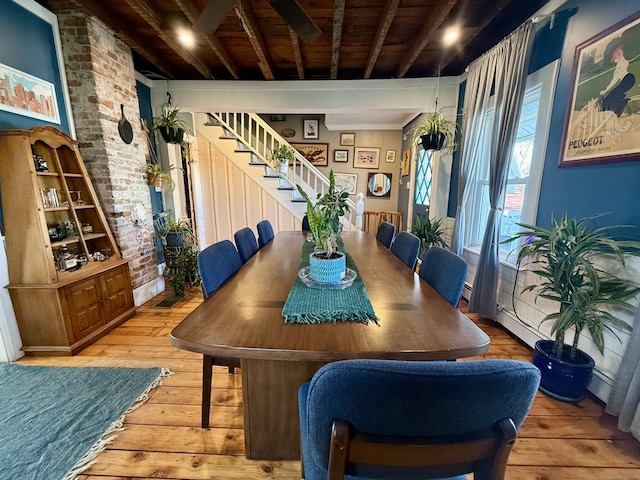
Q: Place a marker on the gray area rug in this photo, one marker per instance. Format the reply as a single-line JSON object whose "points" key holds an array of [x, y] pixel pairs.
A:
{"points": [[55, 420]]}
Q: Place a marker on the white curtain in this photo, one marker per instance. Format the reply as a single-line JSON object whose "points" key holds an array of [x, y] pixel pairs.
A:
{"points": [[624, 401], [499, 79]]}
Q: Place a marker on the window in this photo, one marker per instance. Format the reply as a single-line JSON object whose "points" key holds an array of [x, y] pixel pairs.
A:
{"points": [[424, 177], [520, 203]]}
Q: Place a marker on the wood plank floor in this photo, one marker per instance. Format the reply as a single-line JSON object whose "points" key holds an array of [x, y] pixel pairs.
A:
{"points": [[162, 439]]}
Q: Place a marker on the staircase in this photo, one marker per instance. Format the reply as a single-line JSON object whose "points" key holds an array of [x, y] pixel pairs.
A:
{"points": [[247, 141]]}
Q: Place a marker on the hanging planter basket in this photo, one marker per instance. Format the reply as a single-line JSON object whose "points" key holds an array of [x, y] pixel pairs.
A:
{"points": [[171, 135], [155, 180], [433, 141]]}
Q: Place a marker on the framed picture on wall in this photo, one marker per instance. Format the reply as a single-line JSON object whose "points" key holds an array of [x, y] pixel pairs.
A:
{"points": [[341, 156], [43, 104], [346, 182], [604, 108], [405, 162], [316, 153], [391, 156], [366, 157], [310, 129], [347, 139]]}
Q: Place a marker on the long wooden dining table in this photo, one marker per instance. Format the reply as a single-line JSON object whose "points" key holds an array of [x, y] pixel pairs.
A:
{"points": [[243, 319]]}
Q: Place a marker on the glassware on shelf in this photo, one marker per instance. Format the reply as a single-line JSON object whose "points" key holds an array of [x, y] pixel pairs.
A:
{"points": [[80, 201]]}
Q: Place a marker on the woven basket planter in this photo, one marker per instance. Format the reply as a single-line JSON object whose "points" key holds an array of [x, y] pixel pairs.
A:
{"points": [[327, 270]]}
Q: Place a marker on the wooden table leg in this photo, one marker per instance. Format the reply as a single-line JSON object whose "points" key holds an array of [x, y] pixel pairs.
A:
{"points": [[270, 398], [207, 366]]}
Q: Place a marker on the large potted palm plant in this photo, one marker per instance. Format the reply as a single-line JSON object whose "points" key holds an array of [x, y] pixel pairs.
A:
{"points": [[565, 258]]}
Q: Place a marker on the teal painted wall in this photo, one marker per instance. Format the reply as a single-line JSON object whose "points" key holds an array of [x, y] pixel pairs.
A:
{"points": [[581, 191], [26, 44]]}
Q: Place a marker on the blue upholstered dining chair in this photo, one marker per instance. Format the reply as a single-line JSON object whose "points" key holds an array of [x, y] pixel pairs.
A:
{"points": [[305, 224], [265, 233], [406, 247], [445, 271], [385, 234], [432, 419], [246, 242], [217, 263]]}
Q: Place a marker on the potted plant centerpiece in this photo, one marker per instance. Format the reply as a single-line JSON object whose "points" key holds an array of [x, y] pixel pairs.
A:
{"points": [[429, 232], [435, 131], [170, 126], [564, 257], [326, 264]]}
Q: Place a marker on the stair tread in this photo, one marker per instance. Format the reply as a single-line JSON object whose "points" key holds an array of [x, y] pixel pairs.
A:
{"points": [[285, 188], [271, 176]]}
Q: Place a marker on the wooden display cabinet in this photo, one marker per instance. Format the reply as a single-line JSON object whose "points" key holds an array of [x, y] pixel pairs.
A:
{"points": [[58, 312]]}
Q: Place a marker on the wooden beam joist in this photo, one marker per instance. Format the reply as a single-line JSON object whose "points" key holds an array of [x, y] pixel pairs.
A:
{"points": [[213, 42], [338, 22], [250, 25], [126, 33], [297, 53], [431, 24], [148, 14], [386, 20]]}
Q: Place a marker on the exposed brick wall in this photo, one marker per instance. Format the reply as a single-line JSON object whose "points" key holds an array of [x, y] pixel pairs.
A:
{"points": [[101, 77]]}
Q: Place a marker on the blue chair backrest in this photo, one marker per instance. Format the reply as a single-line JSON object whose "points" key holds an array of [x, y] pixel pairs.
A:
{"points": [[217, 263], [305, 224], [410, 399], [265, 232], [406, 247], [445, 271], [246, 243], [386, 232]]}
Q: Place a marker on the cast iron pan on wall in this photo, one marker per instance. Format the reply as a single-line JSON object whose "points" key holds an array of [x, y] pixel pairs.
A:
{"points": [[124, 128]]}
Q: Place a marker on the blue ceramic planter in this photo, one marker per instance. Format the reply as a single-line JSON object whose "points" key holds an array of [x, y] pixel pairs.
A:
{"points": [[327, 270], [562, 379]]}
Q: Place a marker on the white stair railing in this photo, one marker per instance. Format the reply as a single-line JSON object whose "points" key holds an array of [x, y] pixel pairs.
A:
{"points": [[258, 136]]}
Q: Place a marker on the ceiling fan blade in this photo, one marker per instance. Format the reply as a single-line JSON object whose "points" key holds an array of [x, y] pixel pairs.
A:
{"points": [[214, 14], [297, 18]]}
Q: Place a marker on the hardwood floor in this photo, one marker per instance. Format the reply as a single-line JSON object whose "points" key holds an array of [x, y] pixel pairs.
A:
{"points": [[162, 439]]}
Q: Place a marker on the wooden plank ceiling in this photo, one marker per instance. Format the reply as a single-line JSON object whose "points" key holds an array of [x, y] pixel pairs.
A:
{"points": [[361, 39]]}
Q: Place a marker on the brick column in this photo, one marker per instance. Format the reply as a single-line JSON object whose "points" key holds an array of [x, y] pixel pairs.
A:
{"points": [[101, 77]]}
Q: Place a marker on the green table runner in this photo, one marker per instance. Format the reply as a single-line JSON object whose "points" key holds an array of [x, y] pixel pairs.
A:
{"points": [[313, 305]]}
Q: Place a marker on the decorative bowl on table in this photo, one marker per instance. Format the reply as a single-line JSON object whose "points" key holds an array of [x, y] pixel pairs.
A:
{"points": [[305, 275]]}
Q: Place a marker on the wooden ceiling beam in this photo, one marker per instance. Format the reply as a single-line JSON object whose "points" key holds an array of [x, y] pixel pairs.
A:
{"points": [[386, 20], [191, 12], [126, 33], [338, 22], [250, 25], [486, 20], [297, 54], [148, 14], [431, 23]]}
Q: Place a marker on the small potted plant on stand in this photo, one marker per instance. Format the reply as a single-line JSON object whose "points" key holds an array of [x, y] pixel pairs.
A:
{"points": [[280, 158], [326, 264], [564, 259], [170, 126], [180, 251], [435, 131]]}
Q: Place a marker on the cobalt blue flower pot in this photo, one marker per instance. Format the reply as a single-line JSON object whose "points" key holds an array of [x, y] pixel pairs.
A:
{"points": [[563, 379]]}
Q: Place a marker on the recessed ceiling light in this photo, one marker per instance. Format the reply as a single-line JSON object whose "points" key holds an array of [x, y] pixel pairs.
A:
{"points": [[451, 36], [186, 38]]}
